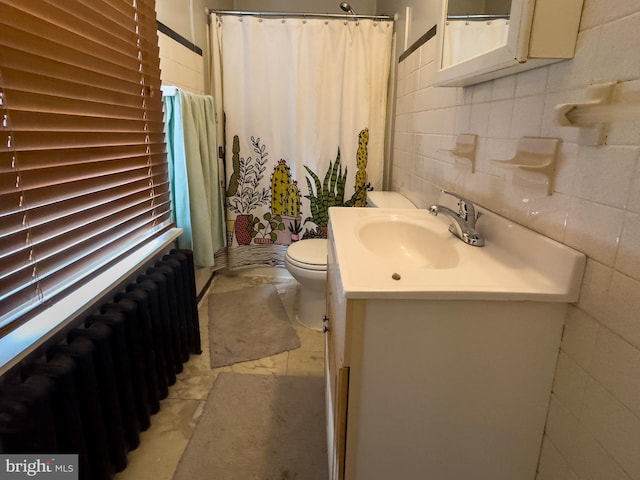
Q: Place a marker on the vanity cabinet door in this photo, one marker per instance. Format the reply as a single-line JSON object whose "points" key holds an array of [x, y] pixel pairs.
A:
{"points": [[343, 349], [338, 384]]}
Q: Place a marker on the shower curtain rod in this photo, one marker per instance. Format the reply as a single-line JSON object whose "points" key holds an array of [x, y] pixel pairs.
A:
{"points": [[478, 17], [301, 15]]}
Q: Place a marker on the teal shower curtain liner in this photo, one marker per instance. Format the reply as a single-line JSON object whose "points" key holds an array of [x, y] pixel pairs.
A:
{"points": [[197, 195]]}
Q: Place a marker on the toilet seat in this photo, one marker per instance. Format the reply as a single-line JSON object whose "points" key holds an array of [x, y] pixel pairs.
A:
{"points": [[309, 254]]}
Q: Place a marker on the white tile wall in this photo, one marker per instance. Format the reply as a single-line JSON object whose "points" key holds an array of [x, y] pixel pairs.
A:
{"points": [[180, 66], [628, 258], [553, 466], [593, 427]]}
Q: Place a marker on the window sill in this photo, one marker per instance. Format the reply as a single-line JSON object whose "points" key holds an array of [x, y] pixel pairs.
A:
{"points": [[22, 341]]}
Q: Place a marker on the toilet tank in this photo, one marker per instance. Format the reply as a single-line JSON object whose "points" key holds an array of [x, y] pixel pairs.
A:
{"points": [[378, 199]]}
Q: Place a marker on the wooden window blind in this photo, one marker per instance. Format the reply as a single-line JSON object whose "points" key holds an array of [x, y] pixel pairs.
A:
{"points": [[83, 170]]}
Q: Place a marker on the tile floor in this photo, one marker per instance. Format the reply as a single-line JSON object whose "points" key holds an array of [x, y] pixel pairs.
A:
{"points": [[161, 446]]}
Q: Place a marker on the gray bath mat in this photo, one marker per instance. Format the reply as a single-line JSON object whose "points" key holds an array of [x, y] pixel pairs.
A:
{"points": [[259, 427], [248, 324]]}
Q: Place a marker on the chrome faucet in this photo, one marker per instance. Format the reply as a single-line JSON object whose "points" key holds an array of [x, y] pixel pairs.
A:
{"points": [[463, 223]]}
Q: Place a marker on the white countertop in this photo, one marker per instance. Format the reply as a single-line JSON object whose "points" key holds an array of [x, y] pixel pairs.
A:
{"points": [[515, 264]]}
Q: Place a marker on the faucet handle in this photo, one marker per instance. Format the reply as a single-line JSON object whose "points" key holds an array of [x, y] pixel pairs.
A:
{"points": [[466, 209], [458, 196]]}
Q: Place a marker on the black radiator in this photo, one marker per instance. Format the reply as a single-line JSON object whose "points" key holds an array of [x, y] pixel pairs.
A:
{"points": [[95, 390]]}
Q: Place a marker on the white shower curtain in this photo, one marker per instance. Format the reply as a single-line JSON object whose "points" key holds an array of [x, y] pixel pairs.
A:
{"points": [[304, 101], [465, 39]]}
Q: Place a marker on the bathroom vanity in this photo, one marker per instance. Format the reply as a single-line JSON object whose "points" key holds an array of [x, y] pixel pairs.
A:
{"points": [[440, 356]]}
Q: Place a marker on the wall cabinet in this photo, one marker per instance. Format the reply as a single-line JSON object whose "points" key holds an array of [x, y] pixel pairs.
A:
{"points": [[538, 32], [446, 390]]}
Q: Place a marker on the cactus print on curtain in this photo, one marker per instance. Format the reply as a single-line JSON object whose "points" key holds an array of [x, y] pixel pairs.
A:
{"points": [[304, 102]]}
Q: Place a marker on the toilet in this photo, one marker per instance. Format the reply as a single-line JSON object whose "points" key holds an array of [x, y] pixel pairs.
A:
{"points": [[306, 261]]}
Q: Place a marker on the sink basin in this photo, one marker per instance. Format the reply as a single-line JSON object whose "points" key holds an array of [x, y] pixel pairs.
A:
{"points": [[403, 241], [410, 254]]}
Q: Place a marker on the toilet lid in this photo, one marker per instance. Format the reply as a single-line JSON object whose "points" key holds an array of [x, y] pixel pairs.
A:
{"points": [[380, 199], [311, 252]]}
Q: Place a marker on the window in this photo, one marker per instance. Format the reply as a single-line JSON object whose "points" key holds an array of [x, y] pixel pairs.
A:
{"points": [[83, 171]]}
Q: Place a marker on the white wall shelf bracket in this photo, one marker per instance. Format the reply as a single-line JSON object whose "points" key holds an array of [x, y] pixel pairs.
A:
{"points": [[573, 114], [536, 154], [466, 146]]}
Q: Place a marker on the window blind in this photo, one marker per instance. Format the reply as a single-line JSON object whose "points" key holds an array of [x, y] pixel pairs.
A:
{"points": [[83, 170]]}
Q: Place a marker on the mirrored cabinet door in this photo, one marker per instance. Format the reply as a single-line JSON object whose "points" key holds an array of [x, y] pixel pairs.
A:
{"points": [[482, 40]]}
